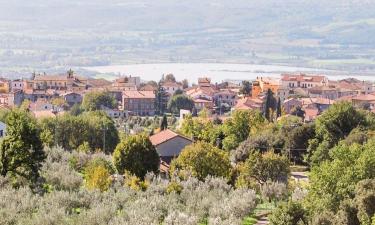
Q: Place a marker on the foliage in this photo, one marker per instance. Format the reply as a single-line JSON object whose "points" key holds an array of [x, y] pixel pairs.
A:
{"points": [[269, 138], [273, 191], [70, 132], [260, 168], [161, 101], [245, 88], [21, 150], [278, 108], [202, 159], [135, 182], [95, 100], [164, 123], [201, 129], [169, 78], [58, 173], [290, 213], [332, 126], [270, 105], [239, 126], [97, 177], [211, 199], [178, 102], [334, 181], [137, 155]]}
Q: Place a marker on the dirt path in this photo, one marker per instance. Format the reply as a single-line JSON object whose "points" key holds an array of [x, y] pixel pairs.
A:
{"points": [[262, 221]]}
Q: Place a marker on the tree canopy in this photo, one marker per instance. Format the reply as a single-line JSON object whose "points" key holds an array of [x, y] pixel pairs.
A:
{"points": [[178, 102], [137, 155], [95, 100], [202, 159], [68, 131], [21, 150], [332, 126]]}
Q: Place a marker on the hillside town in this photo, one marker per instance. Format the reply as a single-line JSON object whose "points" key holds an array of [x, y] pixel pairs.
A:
{"points": [[170, 151], [310, 93]]}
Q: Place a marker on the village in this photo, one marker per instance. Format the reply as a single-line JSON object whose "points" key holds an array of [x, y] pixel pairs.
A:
{"points": [[310, 93]]}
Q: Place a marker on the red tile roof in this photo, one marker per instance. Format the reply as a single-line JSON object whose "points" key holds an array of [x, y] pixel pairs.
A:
{"points": [[302, 77], [164, 136], [138, 94]]}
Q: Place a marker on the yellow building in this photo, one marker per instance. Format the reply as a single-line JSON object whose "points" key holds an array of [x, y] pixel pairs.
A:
{"points": [[262, 84], [4, 85]]}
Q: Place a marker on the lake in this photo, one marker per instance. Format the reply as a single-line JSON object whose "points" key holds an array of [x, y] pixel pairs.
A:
{"points": [[216, 71]]}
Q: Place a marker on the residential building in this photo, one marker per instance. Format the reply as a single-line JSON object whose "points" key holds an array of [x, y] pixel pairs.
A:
{"points": [[12, 98], [225, 97], [169, 144], [303, 80], [72, 98], [171, 87], [360, 87], [323, 92], [115, 113], [59, 82], [17, 85], [248, 103], [127, 83], [201, 103], [140, 103], [291, 104]]}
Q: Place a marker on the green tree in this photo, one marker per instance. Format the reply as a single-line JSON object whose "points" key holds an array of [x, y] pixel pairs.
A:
{"points": [[185, 83], [245, 88], [264, 167], [96, 128], [164, 123], [137, 155], [21, 150], [270, 105], [291, 213], [278, 108], [332, 126], [298, 111], [75, 110], [334, 181], [239, 126], [297, 139], [95, 100], [365, 201], [178, 102], [202, 159], [161, 99]]}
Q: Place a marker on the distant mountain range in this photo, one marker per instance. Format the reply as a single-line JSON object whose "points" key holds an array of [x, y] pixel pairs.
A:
{"points": [[59, 34]]}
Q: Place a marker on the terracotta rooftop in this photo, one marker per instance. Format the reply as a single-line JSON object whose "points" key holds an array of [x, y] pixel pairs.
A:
{"points": [[302, 77], [364, 97], [164, 136], [148, 87], [138, 94], [171, 84]]}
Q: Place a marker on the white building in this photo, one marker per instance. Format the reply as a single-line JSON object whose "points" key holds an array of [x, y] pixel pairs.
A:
{"points": [[2, 129], [302, 81]]}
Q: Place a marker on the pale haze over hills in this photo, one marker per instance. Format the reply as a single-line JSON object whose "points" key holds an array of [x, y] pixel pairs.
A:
{"points": [[57, 34]]}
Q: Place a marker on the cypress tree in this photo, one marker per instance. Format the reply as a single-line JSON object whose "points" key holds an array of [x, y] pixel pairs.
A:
{"points": [[164, 123], [278, 111]]}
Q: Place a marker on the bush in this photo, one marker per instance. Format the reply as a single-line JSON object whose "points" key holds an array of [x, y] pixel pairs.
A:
{"points": [[290, 213]]}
